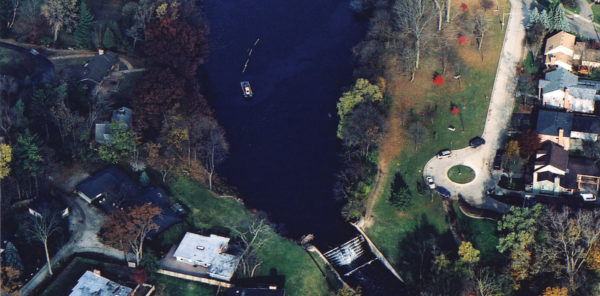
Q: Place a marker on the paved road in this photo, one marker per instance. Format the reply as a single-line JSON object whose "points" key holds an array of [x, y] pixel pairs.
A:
{"points": [[499, 112], [84, 222]]}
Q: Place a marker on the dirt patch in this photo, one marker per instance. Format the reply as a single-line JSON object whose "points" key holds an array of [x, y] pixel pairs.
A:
{"points": [[68, 177]]}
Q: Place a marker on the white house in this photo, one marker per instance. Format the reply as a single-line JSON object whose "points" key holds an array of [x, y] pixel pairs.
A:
{"points": [[559, 50], [208, 252]]}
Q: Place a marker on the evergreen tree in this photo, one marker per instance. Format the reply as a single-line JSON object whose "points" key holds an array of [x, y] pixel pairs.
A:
{"points": [[144, 179], [27, 156], [400, 196], [82, 31], [108, 40], [558, 19], [12, 258]]}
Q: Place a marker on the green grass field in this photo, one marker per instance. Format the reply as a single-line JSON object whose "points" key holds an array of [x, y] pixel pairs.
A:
{"points": [[461, 174], [393, 229], [280, 256], [596, 11]]}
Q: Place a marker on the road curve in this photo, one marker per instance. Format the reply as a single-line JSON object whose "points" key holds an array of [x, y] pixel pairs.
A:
{"points": [[499, 112]]}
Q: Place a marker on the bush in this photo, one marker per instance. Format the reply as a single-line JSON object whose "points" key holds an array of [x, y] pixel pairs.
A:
{"points": [[400, 196], [108, 40], [531, 64]]}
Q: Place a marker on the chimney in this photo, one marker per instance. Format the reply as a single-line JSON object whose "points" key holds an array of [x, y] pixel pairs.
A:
{"points": [[561, 133], [97, 272]]}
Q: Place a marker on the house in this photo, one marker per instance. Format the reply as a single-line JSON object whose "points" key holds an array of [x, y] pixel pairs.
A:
{"points": [[561, 89], [112, 190], [201, 256], [93, 284], [102, 130], [586, 58], [557, 173], [559, 51], [99, 67], [567, 129]]}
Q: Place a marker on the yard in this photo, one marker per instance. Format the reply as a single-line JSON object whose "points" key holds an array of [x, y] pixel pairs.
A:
{"points": [[280, 256], [394, 231], [596, 11], [461, 174]]}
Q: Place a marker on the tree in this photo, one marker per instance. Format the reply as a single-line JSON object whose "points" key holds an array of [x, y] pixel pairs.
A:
{"points": [[128, 230], [572, 234], [173, 43], [215, 149], [347, 291], [41, 228], [362, 128], [108, 40], [84, 25], [5, 159], [158, 91], [519, 229], [144, 179], [418, 133], [480, 28], [27, 158], [591, 149], [557, 18], [142, 13], [10, 280], [400, 196], [467, 253], [362, 91], [253, 234], [60, 14], [12, 258], [556, 291], [439, 7], [414, 17], [120, 144], [529, 142], [159, 161], [44, 99]]}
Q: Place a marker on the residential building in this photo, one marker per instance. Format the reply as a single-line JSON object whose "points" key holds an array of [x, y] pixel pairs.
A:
{"points": [[559, 51], [201, 256], [112, 190], [557, 173], [586, 58], [561, 89], [98, 67], [102, 130], [93, 284], [567, 129]]}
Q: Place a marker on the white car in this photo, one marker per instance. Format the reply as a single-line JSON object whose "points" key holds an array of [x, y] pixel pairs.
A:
{"points": [[430, 183], [34, 52], [588, 196]]}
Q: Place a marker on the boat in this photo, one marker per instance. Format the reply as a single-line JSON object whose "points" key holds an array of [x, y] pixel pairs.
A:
{"points": [[246, 90]]}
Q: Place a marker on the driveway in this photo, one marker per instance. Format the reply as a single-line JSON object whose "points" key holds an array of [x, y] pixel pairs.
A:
{"points": [[499, 112]]}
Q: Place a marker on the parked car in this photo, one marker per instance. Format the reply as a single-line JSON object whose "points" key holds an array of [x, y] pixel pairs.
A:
{"points": [[444, 153], [430, 183], [588, 196], [476, 142], [443, 191], [498, 160], [34, 52]]}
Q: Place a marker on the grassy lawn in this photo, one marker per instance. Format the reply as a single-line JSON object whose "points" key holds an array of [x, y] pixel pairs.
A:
{"points": [[461, 174], [280, 256], [168, 286], [392, 229], [574, 10], [596, 11]]}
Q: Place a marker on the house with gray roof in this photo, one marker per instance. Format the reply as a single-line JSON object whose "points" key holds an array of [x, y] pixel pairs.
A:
{"points": [[561, 89], [555, 172], [98, 67], [102, 130], [93, 284], [567, 129]]}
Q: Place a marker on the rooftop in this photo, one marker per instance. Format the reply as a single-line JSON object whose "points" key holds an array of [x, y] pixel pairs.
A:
{"points": [[99, 65], [91, 284], [557, 80], [561, 38], [209, 252], [555, 155], [549, 122]]}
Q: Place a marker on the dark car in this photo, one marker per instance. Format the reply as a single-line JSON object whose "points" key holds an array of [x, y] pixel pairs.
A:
{"points": [[443, 191], [476, 142], [497, 165]]}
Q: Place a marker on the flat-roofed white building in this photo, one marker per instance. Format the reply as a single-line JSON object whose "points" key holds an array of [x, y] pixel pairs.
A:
{"points": [[208, 252], [93, 284]]}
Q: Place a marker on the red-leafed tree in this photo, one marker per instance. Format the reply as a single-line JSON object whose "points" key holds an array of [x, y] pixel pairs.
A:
{"points": [[438, 80], [140, 276], [157, 92], [462, 40], [529, 142], [173, 42], [455, 110], [464, 7]]}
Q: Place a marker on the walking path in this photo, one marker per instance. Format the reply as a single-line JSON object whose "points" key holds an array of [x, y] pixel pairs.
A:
{"points": [[499, 113]]}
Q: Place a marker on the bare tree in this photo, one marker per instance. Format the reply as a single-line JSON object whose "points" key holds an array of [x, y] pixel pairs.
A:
{"points": [[414, 17], [418, 132], [572, 234], [99, 106], [60, 14], [41, 228], [439, 7], [215, 149], [253, 235], [480, 28]]}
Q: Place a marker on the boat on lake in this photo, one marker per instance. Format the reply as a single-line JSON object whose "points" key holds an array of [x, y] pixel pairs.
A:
{"points": [[246, 89]]}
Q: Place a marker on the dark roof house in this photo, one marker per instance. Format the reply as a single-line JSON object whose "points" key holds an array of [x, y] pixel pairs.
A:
{"points": [[102, 130], [99, 66], [550, 122], [112, 190]]}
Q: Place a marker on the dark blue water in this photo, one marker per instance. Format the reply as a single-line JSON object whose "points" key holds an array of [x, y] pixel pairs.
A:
{"points": [[283, 154]]}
